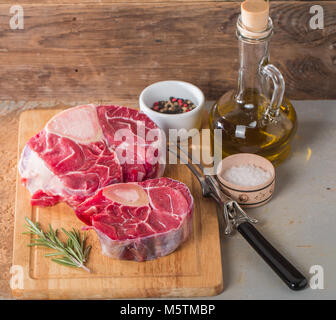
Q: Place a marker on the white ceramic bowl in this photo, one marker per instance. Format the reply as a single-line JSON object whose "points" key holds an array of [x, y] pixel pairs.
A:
{"points": [[163, 90]]}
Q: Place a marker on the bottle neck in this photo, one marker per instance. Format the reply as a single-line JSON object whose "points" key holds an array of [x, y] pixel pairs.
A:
{"points": [[253, 53]]}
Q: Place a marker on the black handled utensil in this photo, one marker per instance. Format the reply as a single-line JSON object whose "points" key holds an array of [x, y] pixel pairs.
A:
{"points": [[281, 266], [236, 218]]}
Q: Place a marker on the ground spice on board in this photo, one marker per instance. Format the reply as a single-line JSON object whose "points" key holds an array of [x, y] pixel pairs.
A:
{"points": [[173, 106]]}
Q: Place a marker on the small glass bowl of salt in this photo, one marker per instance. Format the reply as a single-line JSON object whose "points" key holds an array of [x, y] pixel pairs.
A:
{"points": [[247, 178]]}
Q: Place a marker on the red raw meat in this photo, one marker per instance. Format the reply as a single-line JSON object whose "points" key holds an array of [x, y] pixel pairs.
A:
{"points": [[82, 149], [140, 221]]}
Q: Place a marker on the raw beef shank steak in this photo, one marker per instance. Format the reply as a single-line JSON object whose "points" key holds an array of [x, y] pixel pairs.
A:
{"points": [[85, 148], [140, 221]]}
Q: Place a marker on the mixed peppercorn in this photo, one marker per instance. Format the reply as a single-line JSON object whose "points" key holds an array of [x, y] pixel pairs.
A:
{"points": [[174, 105]]}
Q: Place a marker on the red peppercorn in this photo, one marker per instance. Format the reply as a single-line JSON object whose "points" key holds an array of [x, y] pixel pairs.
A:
{"points": [[156, 103], [174, 99], [185, 105], [156, 107]]}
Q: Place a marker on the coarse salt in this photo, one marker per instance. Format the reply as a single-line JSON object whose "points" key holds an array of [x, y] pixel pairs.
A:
{"points": [[246, 175]]}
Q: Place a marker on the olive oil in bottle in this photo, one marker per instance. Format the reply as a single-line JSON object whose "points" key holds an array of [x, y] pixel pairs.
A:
{"points": [[256, 117]]}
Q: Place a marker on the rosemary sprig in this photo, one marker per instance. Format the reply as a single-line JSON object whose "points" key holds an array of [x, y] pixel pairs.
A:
{"points": [[73, 253]]}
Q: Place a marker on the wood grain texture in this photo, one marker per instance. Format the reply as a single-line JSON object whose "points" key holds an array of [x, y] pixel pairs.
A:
{"points": [[192, 270], [89, 51], [23, 2]]}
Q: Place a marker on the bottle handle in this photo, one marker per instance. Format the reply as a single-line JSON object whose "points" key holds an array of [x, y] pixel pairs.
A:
{"points": [[269, 71]]}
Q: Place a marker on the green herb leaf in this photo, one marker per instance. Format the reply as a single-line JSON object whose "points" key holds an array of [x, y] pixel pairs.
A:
{"points": [[73, 253]]}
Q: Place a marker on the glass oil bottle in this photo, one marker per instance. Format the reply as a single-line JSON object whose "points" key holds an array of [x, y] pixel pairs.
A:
{"points": [[256, 117]]}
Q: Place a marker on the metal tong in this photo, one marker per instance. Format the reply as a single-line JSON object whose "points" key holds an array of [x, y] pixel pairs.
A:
{"points": [[235, 218]]}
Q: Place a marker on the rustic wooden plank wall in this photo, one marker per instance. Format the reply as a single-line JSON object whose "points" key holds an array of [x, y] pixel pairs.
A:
{"points": [[89, 50]]}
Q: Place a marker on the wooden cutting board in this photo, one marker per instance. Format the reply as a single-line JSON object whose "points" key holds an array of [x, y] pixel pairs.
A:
{"points": [[195, 269]]}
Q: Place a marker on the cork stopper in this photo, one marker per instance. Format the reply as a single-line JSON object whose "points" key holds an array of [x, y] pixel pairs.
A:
{"points": [[254, 14]]}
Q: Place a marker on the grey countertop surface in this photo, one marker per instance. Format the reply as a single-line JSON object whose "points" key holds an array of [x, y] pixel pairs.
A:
{"points": [[300, 220]]}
